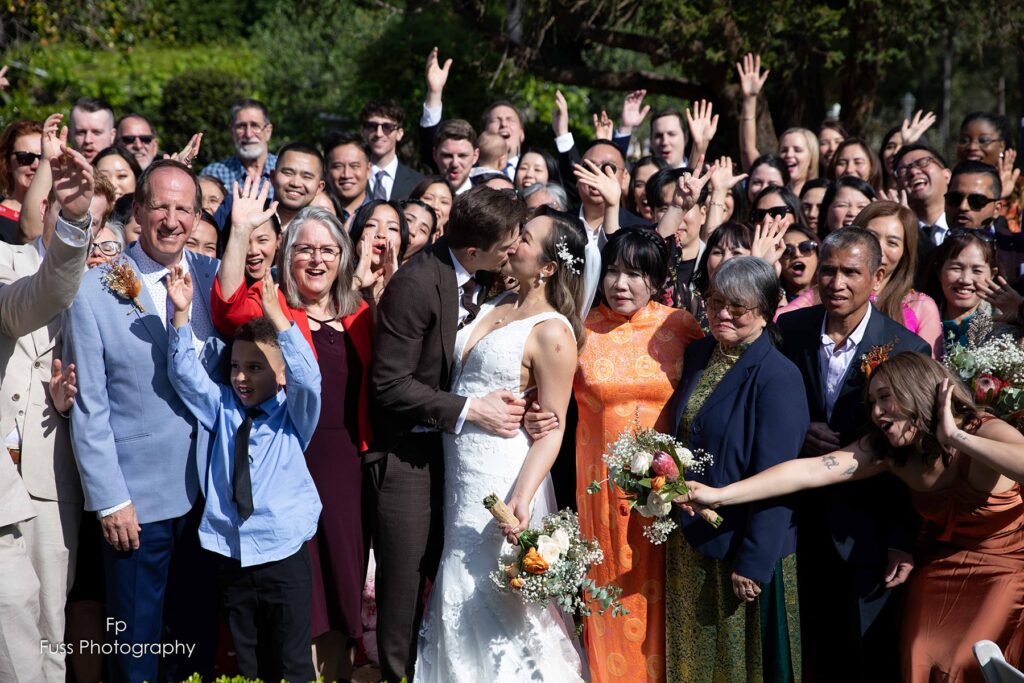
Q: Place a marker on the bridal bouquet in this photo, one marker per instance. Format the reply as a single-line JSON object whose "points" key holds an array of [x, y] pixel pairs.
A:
{"points": [[551, 563], [649, 466], [992, 368]]}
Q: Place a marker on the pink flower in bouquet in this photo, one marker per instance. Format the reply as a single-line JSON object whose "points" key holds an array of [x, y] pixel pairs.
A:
{"points": [[987, 387], [664, 466]]}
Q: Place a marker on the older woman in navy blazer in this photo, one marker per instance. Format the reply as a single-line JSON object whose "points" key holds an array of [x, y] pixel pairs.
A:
{"points": [[731, 591]]}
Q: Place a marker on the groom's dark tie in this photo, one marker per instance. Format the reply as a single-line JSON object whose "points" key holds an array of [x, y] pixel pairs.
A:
{"points": [[469, 301]]}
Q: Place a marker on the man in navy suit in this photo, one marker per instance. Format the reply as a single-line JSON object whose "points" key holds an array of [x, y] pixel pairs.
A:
{"points": [[854, 540], [141, 454], [382, 121]]}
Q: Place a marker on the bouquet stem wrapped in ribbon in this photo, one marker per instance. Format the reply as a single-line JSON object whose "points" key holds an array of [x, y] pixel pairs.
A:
{"points": [[551, 563], [649, 466]]}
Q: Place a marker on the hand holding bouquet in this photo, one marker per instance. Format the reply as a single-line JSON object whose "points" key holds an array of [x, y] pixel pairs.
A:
{"points": [[992, 368], [648, 466], [551, 563]]}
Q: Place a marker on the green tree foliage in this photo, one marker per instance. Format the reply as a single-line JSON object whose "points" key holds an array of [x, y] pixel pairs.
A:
{"points": [[198, 101]]}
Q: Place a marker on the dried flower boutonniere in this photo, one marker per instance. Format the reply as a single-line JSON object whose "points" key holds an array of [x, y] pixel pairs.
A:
{"points": [[121, 279], [875, 357]]}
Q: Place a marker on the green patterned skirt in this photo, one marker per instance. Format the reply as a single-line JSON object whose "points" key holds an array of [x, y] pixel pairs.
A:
{"points": [[714, 637]]}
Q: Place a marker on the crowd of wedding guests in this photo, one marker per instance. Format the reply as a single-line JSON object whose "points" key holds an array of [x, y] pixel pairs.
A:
{"points": [[156, 488]]}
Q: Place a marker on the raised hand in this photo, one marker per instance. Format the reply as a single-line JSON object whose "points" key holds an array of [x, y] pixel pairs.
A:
{"points": [[602, 180], [751, 77], [179, 289], [53, 135], [437, 77], [632, 114], [722, 177], [189, 152], [946, 428], [1008, 175], [73, 179], [603, 126], [702, 124], [1005, 300], [272, 303], [63, 385], [4, 83], [768, 244], [247, 209], [560, 115], [898, 196], [689, 185], [911, 131]]}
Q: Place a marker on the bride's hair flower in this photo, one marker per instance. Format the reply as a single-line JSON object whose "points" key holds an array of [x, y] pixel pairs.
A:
{"points": [[571, 263]]}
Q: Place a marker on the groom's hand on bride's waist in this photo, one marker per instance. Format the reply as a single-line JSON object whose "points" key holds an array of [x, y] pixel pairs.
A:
{"points": [[499, 412], [537, 421]]}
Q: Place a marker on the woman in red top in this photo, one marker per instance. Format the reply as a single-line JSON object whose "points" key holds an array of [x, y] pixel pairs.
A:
{"points": [[21, 146], [315, 263]]}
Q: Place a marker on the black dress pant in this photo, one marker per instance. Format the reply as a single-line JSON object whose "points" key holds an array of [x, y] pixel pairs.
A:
{"points": [[267, 608]]}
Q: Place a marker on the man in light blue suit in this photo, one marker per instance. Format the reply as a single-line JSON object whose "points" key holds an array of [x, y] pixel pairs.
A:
{"points": [[141, 454]]}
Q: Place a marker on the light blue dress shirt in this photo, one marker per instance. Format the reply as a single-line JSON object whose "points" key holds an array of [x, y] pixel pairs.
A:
{"points": [[286, 506]]}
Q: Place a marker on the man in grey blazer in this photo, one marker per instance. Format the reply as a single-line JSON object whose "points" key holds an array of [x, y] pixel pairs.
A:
{"points": [[39, 492], [141, 454]]}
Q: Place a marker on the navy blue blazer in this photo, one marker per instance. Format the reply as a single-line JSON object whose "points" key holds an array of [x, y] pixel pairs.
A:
{"points": [[751, 421], [862, 532]]}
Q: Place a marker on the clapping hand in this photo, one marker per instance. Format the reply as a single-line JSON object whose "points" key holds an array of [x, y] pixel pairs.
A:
{"points": [[189, 152], [247, 209], [751, 77], [179, 289], [560, 115], [603, 126], [1004, 299], [602, 180], [702, 124], [63, 386], [72, 182], [632, 114], [1008, 175], [911, 131]]}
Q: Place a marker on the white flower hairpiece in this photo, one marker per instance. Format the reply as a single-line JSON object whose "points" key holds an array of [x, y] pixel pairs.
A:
{"points": [[568, 260]]}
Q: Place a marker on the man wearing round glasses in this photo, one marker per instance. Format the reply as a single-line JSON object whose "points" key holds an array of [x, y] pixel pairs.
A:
{"points": [[381, 122], [251, 130], [135, 133]]}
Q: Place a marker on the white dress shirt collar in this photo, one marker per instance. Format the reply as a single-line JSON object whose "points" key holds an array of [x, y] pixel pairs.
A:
{"points": [[835, 361]]}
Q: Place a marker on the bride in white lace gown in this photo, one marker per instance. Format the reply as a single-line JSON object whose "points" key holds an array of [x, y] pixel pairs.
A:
{"points": [[471, 631]]}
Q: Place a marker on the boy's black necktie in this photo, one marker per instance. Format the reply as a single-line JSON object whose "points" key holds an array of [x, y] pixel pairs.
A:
{"points": [[241, 479]]}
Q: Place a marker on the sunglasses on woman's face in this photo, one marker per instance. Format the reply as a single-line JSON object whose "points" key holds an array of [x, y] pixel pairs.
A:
{"points": [[805, 248], [977, 202], [26, 158], [774, 212]]}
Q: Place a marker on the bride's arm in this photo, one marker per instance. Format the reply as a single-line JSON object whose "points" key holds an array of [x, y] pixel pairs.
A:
{"points": [[551, 353]]}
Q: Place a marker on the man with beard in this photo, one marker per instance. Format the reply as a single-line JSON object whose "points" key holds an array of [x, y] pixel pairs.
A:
{"points": [[298, 178], [92, 126], [348, 170], [135, 133], [251, 130]]}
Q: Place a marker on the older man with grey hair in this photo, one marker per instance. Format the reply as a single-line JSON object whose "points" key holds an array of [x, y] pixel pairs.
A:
{"points": [[251, 130]]}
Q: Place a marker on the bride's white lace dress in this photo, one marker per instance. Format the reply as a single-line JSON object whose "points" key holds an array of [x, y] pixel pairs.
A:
{"points": [[472, 632]]}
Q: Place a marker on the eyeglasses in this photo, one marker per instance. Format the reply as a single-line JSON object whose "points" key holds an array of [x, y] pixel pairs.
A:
{"points": [[775, 212], [976, 202], [255, 127], [806, 247], [386, 127], [108, 248], [983, 141], [26, 158], [716, 304], [920, 164], [304, 252], [144, 139]]}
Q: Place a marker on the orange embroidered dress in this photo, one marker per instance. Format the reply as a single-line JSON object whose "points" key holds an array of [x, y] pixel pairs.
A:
{"points": [[627, 365]]}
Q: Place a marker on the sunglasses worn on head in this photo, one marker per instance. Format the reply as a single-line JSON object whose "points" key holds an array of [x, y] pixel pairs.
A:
{"points": [[144, 139], [385, 127], [26, 158], [981, 233], [977, 202], [806, 247], [775, 212]]}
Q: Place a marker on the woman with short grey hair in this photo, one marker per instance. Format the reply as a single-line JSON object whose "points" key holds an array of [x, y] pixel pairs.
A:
{"points": [[545, 194], [736, 402]]}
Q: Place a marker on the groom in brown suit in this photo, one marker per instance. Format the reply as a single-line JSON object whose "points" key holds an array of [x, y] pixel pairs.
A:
{"points": [[424, 306]]}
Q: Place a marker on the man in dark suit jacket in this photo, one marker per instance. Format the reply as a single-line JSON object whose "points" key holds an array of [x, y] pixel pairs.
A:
{"points": [[381, 122], [423, 307], [854, 540]]}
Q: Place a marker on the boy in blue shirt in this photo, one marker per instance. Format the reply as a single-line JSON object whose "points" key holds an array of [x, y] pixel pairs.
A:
{"points": [[261, 503]]}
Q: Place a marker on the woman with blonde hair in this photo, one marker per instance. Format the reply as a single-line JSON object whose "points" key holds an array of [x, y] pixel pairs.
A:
{"points": [[799, 148]]}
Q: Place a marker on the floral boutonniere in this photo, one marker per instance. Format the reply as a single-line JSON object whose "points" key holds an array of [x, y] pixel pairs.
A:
{"points": [[875, 357], [121, 279]]}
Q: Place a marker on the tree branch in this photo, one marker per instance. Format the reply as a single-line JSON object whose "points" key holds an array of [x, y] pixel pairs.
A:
{"points": [[623, 81]]}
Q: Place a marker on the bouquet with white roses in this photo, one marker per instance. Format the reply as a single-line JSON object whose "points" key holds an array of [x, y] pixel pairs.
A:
{"points": [[551, 563], [649, 466]]}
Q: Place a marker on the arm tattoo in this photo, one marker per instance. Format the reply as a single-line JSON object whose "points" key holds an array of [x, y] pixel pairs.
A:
{"points": [[850, 471], [961, 436], [829, 461]]}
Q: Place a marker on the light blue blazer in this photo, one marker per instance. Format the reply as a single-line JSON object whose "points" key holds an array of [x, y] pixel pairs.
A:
{"points": [[133, 437]]}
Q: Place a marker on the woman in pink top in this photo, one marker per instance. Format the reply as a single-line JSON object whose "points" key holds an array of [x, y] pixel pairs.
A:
{"points": [[895, 226]]}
